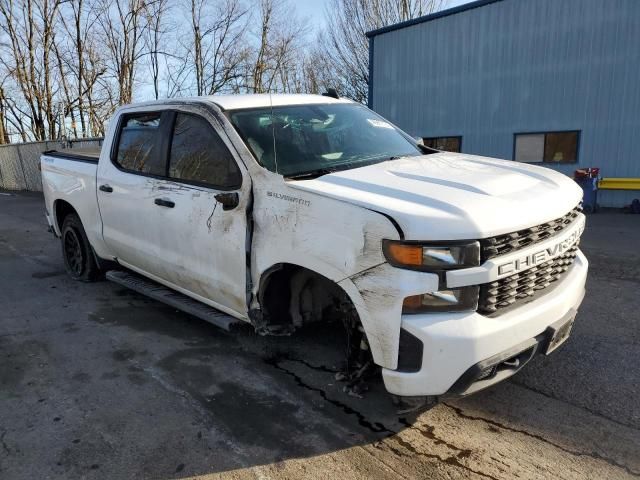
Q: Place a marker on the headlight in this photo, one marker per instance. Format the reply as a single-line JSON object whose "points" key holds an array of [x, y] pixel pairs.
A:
{"points": [[432, 256], [450, 300]]}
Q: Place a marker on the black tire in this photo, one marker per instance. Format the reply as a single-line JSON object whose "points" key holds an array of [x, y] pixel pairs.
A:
{"points": [[79, 261]]}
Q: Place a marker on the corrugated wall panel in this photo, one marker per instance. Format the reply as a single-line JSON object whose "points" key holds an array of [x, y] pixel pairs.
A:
{"points": [[521, 66]]}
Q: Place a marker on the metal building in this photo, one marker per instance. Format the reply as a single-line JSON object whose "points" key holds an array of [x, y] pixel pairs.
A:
{"points": [[550, 81]]}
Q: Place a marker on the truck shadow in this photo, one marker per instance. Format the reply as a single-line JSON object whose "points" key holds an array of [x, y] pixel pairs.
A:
{"points": [[277, 398]]}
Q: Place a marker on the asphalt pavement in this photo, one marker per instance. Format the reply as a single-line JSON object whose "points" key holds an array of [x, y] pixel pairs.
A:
{"points": [[99, 382]]}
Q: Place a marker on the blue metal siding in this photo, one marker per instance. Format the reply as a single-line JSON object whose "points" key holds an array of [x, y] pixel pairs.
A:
{"points": [[519, 66]]}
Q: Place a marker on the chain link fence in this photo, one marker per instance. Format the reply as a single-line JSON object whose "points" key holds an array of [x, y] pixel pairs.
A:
{"points": [[19, 162]]}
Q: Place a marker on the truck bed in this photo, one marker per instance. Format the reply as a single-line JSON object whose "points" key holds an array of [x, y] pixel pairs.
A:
{"points": [[70, 176], [89, 154]]}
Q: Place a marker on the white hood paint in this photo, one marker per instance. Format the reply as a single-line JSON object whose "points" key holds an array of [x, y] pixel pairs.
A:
{"points": [[449, 196]]}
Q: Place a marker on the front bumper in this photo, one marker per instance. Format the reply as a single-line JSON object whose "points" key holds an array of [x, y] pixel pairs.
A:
{"points": [[453, 343]]}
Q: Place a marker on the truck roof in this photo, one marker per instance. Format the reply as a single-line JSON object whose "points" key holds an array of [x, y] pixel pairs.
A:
{"points": [[257, 100], [252, 100]]}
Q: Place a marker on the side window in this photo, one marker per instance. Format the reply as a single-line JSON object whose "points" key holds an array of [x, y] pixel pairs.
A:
{"points": [[198, 154], [137, 145]]}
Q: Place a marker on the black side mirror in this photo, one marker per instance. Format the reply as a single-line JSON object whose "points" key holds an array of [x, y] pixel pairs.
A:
{"points": [[331, 92], [229, 201]]}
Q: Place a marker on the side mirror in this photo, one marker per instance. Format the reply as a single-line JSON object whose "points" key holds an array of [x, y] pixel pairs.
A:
{"points": [[419, 141], [229, 201]]}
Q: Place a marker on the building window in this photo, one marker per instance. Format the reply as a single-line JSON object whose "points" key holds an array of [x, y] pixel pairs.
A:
{"points": [[448, 144], [550, 147]]}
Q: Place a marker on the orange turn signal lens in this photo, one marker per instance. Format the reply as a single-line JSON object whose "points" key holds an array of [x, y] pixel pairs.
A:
{"points": [[448, 300], [433, 256], [412, 304], [404, 254]]}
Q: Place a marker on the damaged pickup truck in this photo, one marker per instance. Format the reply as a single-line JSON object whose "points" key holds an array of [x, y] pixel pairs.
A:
{"points": [[449, 271]]}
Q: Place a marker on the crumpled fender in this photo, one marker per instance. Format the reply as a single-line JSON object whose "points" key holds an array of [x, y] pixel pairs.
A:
{"points": [[377, 294]]}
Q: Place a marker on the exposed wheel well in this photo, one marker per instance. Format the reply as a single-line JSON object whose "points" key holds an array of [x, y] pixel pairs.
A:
{"points": [[62, 208], [291, 296]]}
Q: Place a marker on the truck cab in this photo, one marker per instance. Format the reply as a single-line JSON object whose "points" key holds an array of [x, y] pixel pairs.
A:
{"points": [[280, 210]]}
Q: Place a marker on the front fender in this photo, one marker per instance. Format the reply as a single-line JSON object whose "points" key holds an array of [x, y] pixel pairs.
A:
{"points": [[342, 242], [378, 294], [330, 237]]}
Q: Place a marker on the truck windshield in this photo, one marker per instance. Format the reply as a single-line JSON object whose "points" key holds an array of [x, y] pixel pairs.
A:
{"points": [[312, 140]]}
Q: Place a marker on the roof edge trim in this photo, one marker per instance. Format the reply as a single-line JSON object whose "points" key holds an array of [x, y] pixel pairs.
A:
{"points": [[431, 16]]}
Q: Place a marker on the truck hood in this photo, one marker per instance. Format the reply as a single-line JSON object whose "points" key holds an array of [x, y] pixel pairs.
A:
{"points": [[448, 196]]}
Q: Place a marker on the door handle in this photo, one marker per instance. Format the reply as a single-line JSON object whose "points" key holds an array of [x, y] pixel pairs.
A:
{"points": [[229, 201], [164, 203], [106, 188]]}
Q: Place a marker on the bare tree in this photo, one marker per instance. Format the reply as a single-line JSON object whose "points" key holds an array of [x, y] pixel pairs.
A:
{"points": [[345, 45], [218, 45], [13, 116], [155, 33], [29, 26], [79, 35], [68, 108], [53, 65], [123, 26], [78, 60], [71, 61], [279, 47], [98, 89], [4, 134]]}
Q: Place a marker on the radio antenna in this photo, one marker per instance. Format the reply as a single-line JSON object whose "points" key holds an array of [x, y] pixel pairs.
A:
{"points": [[273, 133]]}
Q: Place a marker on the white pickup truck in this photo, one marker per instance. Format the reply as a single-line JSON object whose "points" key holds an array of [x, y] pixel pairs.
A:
{"points": [[279, 210]]}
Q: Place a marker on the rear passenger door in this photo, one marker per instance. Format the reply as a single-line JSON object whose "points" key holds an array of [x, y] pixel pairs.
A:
{"points": [[126, 184], [190, 222]]}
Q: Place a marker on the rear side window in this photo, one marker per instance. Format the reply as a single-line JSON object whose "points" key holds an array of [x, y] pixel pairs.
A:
{"points": [[199, 155], [138, 144]]}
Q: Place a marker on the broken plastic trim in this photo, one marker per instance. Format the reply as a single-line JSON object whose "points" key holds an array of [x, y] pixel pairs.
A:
{"points": [[410, 350]]}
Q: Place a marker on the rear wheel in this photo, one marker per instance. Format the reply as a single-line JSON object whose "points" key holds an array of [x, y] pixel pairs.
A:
{"points": [[79, 261]]}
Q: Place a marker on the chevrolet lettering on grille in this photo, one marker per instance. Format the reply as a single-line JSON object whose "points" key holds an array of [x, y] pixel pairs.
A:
{"points": [[540, 256]]}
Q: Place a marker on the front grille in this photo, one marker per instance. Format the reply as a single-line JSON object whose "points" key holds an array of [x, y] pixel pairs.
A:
{"points": [[510, 242], [503, 293]]}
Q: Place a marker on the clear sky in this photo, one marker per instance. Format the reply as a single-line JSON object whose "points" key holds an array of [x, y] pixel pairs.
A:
{"points": [[314, 9]]}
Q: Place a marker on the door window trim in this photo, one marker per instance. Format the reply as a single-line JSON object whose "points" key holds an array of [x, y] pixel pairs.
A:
{"points": [[163, 145], [158, 145]]}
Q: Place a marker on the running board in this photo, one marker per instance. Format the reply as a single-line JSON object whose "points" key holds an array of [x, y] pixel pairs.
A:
{"points": [[174, 299]]}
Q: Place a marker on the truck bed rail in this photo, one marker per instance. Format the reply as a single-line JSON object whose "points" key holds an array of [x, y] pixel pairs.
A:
{"points": [[81, 155]]}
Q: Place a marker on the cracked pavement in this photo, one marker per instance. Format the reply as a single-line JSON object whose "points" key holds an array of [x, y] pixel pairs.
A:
{"points": [[100, 382]]}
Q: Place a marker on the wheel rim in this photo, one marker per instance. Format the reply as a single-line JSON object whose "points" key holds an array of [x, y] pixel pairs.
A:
{"points": [[73, 252]]}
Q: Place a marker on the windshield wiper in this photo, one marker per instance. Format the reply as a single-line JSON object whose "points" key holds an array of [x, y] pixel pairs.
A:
{"points": [[342, 166], [398, 157], [312, 173]]}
